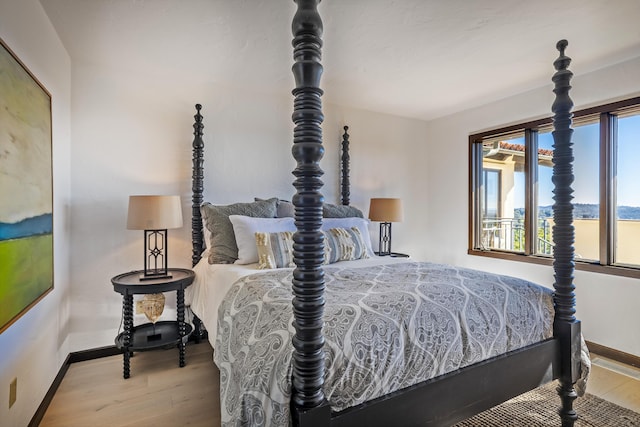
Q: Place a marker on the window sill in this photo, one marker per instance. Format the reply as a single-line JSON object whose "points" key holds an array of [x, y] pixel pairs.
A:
{"points": [[580, 265]]}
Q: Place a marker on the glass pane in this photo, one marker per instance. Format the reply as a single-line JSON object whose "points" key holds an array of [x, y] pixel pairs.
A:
{"points": [[628, 192], [586, 204], [544, 243], [503, 194], [491, 202]]}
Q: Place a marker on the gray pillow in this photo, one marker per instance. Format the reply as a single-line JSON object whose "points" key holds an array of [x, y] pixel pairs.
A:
{"points": [[284, 208], [223, 248], [340, 211]]}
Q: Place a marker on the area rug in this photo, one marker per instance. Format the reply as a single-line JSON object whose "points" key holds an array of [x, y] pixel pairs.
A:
{"points": [[539, 408]]}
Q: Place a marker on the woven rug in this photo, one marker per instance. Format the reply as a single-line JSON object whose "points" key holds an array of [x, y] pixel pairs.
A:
{"points": [[539, 408]]}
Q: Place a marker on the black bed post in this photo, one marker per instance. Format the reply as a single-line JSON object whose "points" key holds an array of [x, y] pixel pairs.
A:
{"points": [[565, 328], [197, 188], [344, 168], [308, 404]]}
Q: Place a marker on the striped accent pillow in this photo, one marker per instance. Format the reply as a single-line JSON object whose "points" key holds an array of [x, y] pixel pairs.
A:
{"points": [[275, 250], [344, 244]]}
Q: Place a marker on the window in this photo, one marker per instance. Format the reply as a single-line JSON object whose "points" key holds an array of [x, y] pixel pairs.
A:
{"points": [[502, 190], [511, 191]]}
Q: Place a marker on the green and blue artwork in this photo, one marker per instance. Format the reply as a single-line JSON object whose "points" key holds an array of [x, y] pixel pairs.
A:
{"points": [[26, 199]]}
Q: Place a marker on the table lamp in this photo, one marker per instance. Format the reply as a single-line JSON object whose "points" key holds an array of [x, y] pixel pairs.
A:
{"points": [[155, 215], [386, 211]]}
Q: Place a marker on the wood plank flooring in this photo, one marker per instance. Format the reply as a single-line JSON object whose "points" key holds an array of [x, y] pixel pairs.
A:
{"points": [[160, 394], [615, 382]]}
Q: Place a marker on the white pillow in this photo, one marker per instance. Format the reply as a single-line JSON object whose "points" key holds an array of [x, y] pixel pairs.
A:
{"points": [[361, 223], [245, 228]]}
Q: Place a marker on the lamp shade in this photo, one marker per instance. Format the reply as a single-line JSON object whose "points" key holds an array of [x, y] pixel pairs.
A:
{"points": [[386, 210], [154, 213]]}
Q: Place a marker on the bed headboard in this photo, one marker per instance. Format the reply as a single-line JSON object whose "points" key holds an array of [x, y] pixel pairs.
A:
{"points": [[197, 182]]}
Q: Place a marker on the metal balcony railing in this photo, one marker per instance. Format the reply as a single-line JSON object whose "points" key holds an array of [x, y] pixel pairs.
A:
{"points": [[508, 234]]}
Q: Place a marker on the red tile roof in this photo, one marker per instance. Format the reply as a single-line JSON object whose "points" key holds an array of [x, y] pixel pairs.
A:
{"points": [[520, 147]]}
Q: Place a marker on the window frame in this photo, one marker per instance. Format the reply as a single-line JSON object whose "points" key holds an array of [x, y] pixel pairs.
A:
{"points": [[607, 115]]}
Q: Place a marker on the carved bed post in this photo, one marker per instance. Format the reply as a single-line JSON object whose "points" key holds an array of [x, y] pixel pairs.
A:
{"points": [[566, 328], [197, 188], [308, 404], [344, 170]]}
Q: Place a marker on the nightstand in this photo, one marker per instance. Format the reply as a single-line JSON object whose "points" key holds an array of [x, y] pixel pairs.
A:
{"points": [[149, 336]]}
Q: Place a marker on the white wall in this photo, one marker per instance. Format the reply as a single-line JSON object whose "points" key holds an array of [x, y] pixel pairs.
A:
{"points": [[34, 347], [607, 305]]}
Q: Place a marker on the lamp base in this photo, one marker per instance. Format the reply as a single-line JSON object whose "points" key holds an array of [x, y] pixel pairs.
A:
{"points": [[144, 277], [384, 243], [392, 254], [155, 255]]}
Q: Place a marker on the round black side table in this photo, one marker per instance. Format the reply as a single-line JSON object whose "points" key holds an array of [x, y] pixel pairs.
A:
{"points": [[149, 335]]}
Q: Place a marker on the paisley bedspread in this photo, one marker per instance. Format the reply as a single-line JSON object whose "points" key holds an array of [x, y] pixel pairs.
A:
{"points": [[386, 327]]}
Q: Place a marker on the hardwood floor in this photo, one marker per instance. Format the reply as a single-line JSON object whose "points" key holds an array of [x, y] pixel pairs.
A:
{"points": [[615, 382], [160, 394]]}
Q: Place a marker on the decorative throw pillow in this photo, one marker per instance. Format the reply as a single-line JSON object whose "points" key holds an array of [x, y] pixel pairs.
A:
{"points": [[223, 248], [344, 244], [341, 211], [361, 223], [245, 228], [284, 208], [275, 250]]}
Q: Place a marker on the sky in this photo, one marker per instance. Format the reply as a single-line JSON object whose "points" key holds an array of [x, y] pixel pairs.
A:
{"points": [[585, 167]]}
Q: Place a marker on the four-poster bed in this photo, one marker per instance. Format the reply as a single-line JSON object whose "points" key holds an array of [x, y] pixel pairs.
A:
{"points": [[440, 400]]}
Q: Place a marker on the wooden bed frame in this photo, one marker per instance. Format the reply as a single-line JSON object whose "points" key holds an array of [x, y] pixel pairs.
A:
{"points": [[449, 398]]}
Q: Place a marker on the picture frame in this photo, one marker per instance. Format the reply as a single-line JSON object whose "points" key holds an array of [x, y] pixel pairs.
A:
{"points": [[26, 189]]}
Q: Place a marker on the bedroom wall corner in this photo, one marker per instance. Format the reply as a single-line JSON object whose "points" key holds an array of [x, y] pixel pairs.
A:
{"points": [[34, 348]]}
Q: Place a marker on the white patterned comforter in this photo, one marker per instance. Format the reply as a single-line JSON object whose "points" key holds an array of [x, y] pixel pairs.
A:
{"points": [[386, 327]]}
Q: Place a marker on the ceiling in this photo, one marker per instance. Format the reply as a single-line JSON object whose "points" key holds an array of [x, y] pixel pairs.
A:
{"points": [[414, 58]]}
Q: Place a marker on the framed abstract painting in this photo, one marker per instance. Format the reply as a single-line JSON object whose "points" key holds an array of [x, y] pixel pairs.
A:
{"points": [[26, 190]]}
